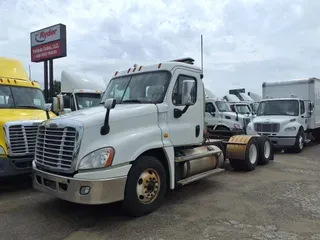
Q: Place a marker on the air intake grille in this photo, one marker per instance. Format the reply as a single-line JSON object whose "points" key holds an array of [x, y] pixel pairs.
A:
{"points": [[55, 147]]}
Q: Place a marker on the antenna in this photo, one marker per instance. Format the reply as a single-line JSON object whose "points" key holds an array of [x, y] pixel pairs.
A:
{"points": [[201, 46], [29, 72]]}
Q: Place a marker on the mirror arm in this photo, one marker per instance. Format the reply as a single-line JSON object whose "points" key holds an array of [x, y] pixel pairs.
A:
{"points": [[184, 110], [47, 114], [105, 129]]}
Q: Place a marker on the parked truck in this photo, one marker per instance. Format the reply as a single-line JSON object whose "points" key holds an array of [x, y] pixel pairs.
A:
{"points": [[289, 113], [220, 117], [140, 143], [22, 109], [78, 92]]}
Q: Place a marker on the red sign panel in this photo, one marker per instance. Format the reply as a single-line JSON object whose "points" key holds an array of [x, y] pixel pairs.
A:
{"points": [[48, 43], [46, 51]]}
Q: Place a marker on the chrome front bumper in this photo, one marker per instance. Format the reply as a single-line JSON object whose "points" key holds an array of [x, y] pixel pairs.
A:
{"points": [[81, 191]]}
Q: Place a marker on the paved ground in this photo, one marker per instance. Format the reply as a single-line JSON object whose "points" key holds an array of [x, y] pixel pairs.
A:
{"points": [[277, 201]]}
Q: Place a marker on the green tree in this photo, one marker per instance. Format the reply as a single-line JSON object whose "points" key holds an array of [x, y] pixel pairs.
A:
{"points": [[56, 90]]}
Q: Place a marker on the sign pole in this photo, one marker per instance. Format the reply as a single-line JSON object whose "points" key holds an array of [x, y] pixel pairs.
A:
{"points": [[45, 79], [51, 79]]}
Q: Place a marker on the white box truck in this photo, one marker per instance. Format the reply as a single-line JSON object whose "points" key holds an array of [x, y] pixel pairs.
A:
{"points": [[289, 113], [140, 143]]}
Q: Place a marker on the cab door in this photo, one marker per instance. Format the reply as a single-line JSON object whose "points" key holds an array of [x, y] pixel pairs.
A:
{"points": [[186, 129], [303, 119]]}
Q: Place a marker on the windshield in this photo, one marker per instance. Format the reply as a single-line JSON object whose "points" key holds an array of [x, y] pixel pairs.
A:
{"points": [[279, 107], [243, 109], [88, 100], [21, 97], [222, 106], [138, 88]]}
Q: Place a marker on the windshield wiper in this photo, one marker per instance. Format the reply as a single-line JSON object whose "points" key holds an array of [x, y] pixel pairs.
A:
{"points": [[131, 101], [26, 106]]}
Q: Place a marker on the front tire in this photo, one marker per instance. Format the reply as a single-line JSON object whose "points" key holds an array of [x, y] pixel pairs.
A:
{"points": [[146, 187], [299, 143]]}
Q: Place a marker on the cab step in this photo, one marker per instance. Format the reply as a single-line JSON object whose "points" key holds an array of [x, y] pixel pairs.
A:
{"points": [[199, 176]]}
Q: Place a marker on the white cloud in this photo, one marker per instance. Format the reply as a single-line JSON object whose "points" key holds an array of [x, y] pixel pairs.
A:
{"points": [[246, 41]]}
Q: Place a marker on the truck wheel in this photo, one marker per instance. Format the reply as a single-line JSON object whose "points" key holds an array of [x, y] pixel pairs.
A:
{"points": [[146, 186], [299, 143], [266, 151], [251, 157], [223, 151]]}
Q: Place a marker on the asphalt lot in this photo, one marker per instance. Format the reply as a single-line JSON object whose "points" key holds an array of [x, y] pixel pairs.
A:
{"points": [[277, 201]]}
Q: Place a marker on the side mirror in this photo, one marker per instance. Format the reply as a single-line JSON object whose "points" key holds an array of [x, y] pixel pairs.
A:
{"points": [[187, 87], [55, 105], [60, 103], [110, 103], [47, 107], [311, 108]]}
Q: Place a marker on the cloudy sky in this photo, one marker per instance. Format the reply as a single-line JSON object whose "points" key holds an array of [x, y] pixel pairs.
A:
{"points": [[246, 42]]}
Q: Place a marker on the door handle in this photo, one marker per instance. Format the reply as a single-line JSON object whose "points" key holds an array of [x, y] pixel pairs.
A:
{"points": [[197, 131]]}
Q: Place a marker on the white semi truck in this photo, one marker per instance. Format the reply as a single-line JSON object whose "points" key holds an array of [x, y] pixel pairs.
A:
{"points": [[289, 113], [140, 143], [219, 116], [78, 93]]}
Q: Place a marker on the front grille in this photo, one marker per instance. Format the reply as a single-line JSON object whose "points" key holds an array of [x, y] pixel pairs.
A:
{"points": [[267, 127], [22, 139], [55, 147]]}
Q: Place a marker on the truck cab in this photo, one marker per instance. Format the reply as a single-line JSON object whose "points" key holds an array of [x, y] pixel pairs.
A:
{"points": [[284, 120], [218, 116], [78, 93], [22, 109], [289, 113], [147, 136]]}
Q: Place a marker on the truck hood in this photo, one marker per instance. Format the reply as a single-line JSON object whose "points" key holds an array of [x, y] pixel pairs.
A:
{"points": [[95, 115], [8, 115], [273, 119]]}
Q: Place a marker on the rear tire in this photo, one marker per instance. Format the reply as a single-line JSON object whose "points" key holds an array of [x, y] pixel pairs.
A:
{"points": [[146, 187], [251, 157], [266, 150]]}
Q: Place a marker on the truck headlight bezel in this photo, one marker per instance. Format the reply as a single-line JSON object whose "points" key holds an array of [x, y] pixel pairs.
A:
{"points": [[290, 129], [99, 158]]}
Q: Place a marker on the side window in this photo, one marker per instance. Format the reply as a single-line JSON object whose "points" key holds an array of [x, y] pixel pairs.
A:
{"points": [[66, 101], [302, 107], [71, 103], [178, 90], [210, 108]]}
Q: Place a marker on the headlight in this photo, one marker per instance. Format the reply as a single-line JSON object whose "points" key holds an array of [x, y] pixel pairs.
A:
{"points": [[237, 126], [290, 129], [2, 151], [98, 159]]}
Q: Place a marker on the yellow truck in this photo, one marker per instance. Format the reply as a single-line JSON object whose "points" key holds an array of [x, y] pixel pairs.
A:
{"points": [[22, 109]]}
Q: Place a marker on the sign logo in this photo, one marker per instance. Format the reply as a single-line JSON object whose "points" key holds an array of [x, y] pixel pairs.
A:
{"points": [[42, 36]]}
